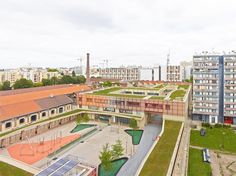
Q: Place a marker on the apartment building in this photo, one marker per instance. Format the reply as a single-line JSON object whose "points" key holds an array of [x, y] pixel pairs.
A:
{"points": [[214, 89], [172, 73], [122, 73]]}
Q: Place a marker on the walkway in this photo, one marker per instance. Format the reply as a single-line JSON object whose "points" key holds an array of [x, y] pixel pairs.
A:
{"points": [[150, 133], [181, 164]]}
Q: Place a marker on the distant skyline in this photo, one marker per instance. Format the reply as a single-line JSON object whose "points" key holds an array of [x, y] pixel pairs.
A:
{"points": [[55, 33]]}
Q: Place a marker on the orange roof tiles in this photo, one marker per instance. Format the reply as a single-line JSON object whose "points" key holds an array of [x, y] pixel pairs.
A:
{"points": [[17, 98], [15, 105], [19, 109]]}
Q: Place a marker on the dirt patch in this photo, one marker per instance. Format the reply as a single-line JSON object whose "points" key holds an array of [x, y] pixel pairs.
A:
{"points": [[223, 164]]}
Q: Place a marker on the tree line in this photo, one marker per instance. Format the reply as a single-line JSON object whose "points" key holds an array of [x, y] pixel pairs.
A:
{"points": [[25, 83]]}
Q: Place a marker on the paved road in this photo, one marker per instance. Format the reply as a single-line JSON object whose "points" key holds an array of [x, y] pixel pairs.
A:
{"points": [[131, 167]]}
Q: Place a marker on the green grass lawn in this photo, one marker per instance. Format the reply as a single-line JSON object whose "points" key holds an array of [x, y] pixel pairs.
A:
{"points": [[158, 162], [107, 91], [9, 170], [215, 138], [160, 86], [136, 135], [177, 94], [196, 166], [183, 87]]}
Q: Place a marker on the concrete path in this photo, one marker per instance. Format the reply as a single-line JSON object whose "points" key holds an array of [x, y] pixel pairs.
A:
{"points": [[181, 164], [19, 164], [150, 133]]}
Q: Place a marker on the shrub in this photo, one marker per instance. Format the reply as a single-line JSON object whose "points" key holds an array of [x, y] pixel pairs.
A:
{"points": [[206, 125], [218, 125]]}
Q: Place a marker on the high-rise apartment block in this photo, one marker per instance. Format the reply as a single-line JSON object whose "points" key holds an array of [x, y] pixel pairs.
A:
{"points": [[214, 88]]}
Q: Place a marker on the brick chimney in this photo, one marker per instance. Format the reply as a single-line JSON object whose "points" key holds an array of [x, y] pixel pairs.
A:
{"points": [[88, 71]]}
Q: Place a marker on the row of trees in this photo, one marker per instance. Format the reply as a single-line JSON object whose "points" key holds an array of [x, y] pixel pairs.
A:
{"points": [[24, 83]]}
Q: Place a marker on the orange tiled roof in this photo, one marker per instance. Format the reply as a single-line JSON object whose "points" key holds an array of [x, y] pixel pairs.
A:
{"points": [[18, 109], [27, 96], [15, 105]]}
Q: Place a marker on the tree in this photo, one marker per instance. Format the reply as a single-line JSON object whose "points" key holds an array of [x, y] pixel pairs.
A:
{"points": [[73, 74], [22, 83], [54, 80], [133, 123], [47, 82], [107, 84], [85, 117], [106, 157], [66, 79], [82, 118], [52, 70], [6, 85], [38, 84], [117, 150]]}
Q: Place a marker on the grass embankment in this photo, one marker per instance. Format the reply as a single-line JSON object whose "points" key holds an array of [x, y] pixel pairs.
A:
{"points": [[196, 166], [9, 170], [158, 161], [223, 139], [177, 94]]}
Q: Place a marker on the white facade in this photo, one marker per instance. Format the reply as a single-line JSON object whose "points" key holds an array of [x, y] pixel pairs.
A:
{"points": [[150, 73]]}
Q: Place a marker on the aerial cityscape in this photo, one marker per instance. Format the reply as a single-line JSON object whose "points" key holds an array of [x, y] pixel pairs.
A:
{"points": [[128, 88]]}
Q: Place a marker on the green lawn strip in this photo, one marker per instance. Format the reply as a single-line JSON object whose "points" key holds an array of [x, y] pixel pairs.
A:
{"points": [[80, 127], [215, 139], [177, 94], [196, 166], [106, 91], [183, 87], [156, 98], [9, 170], [126, 96], [52, 118], [116, 166], [136, 135], [158, 161], [160, 86]]}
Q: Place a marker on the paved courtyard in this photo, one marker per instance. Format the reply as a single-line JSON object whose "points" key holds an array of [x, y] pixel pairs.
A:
{"points": [[88, 149]]}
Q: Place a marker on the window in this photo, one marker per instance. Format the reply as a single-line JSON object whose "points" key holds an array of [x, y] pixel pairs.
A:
{"points": [[33, 118], [167, 107], [22, 120], [61, 110], [43, 114], [52, 112], [8, 125]]}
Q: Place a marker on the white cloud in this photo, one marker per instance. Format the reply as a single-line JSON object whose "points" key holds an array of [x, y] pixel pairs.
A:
{"points": [[56, 32]]}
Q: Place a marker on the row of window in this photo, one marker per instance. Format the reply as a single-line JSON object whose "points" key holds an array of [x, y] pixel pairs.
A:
{"points": [[33, 118]]}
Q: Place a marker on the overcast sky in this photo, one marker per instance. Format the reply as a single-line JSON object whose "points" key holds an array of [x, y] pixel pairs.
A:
{"points": [[54, 33]]}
